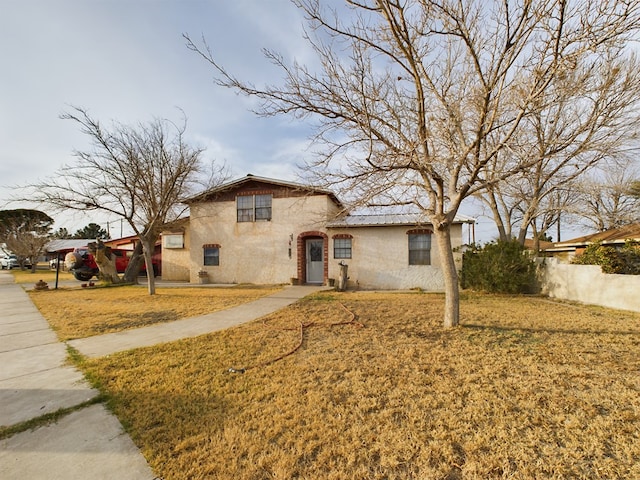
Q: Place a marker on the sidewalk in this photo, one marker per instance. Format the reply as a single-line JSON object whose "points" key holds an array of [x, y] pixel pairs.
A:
{"points": [[35, 380]]}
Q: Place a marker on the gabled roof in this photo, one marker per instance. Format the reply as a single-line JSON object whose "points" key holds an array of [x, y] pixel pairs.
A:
{"points": [[253, 178], [392, 219], [615, 235]]}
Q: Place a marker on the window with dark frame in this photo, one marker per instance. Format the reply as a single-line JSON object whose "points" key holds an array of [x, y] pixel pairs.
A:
{"points": [[341, 248], [419, 249], [245, 208], [211, 255], [263, 207], [252, 208]]}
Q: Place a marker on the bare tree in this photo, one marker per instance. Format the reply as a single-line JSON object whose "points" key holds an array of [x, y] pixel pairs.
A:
{"points": [[590, 116], [606, 198], [137, 173], [415, 99], [25, 233]]}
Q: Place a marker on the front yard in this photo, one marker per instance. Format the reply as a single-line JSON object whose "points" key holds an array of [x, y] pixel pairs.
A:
{"points": [[77, 313], [525, 388]]}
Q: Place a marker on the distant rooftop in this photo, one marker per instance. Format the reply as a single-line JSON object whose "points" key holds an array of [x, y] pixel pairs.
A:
{"points": [[61, 245], [615, 235]]}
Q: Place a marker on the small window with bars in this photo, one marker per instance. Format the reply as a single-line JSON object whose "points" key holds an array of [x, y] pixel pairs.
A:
{"points": [[341, 248]]}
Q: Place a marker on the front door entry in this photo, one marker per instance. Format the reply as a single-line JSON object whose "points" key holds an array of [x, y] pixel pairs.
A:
{"points": [[315, 260]]}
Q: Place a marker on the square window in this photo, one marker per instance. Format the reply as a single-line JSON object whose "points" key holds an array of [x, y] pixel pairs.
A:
{"points": [[419, 249], [253, 208], [341, 248]]}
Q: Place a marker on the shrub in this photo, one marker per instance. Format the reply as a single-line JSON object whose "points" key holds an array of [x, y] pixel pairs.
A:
{"points": [[623, 261], [498, 267]]}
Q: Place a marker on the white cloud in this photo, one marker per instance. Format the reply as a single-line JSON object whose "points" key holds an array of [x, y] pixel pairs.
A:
{"points": [[127, 61]]}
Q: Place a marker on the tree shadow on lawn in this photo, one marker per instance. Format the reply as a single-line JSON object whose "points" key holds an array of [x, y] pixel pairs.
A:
{"points": [[512, 330]]}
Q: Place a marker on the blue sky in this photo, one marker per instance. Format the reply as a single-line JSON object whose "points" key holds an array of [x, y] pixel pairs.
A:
{"points": [[126, 61]]}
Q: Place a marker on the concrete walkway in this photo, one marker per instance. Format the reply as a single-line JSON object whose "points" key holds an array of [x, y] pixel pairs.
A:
{"points": [[35, 380], [102, 345]]}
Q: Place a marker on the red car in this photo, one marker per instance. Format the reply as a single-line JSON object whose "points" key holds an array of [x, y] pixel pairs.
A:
{"points": [[83, 265]]}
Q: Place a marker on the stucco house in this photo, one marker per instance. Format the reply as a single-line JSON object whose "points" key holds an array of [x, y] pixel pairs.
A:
{"points": [[266, 231]]}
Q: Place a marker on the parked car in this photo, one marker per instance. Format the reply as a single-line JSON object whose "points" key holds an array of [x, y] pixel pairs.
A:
{"points": [[10, 261], [53, 264], [83, 266]]}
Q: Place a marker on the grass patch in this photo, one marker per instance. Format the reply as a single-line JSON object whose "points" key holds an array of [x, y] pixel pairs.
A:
{"points": [[26, 276], [80, 312], [525, 388], [46, 419]]}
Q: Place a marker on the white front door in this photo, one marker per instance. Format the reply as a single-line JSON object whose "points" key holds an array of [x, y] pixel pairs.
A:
{"points": [[315, 260]]}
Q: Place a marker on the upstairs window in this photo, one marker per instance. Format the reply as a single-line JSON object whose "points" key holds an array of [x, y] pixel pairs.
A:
{"points": [[263, 207], [245, 208], [252, 208], [419, 248]]}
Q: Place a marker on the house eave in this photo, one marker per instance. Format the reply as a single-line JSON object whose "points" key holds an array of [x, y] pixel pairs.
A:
{"points": [[207, 195], [389, 220]]}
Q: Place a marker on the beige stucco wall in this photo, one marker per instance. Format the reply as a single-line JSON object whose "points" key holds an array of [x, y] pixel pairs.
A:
{"points": [[176, 261], [255, 252], [587, 284], [266, 252], [380, 259]]}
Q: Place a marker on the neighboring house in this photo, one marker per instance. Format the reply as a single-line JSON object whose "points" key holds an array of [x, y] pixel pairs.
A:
{"points": [[265, 231], [530, 245], [615, 237], [60, 247]]}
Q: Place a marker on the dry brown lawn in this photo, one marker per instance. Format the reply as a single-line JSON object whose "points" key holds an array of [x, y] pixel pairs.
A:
{"points": [[83, 312], [526, 388], [42, 273]]}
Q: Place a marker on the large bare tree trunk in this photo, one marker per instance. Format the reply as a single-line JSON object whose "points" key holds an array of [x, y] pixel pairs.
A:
{"points": [[135, 264], [147, 249], [450, 275], [106, 262]]}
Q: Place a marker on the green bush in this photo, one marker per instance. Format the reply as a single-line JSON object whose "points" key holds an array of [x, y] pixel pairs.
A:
{"points": [[623, 261], [498, 267]]}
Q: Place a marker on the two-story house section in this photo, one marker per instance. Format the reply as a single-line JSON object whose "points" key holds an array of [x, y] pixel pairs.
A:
{"points": [[265, 231]]}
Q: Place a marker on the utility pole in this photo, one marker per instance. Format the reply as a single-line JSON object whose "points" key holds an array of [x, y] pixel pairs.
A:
{"points": [[559, 227]]}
